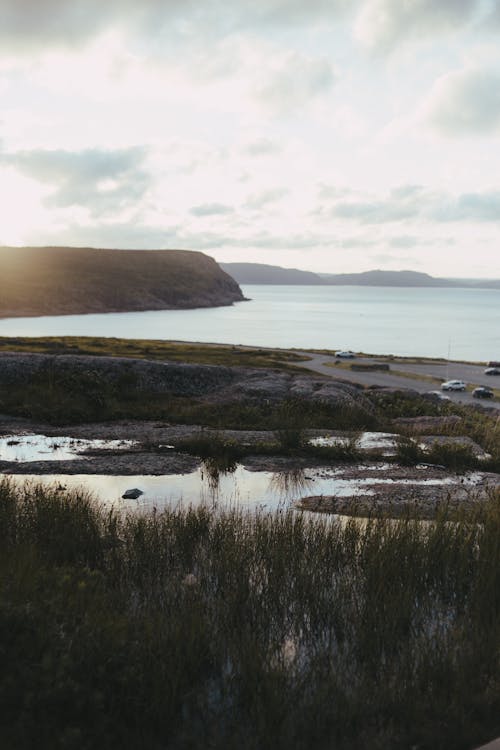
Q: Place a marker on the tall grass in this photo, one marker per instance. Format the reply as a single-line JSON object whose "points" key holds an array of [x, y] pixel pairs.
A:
{"points": [[187, 629]]}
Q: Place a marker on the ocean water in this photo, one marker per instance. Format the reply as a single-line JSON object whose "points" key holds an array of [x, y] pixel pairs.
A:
{"points": [[450, 323]]}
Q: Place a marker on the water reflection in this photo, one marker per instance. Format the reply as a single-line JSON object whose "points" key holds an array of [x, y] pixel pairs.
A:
{"points": [[214, 468], [290, 483], [23, 448], [230, 486]]}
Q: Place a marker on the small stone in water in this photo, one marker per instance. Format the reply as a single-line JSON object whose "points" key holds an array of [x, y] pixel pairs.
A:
{"points": [[132, 494]]}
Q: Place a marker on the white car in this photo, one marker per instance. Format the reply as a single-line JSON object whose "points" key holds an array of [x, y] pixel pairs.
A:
{"points": [[439, 395], [345, 355], [453, 385]]}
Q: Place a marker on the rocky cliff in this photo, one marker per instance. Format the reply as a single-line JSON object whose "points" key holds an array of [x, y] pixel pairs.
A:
{"points": [[66, 281]]}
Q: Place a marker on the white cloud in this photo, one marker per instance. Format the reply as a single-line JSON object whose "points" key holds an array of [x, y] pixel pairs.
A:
{"points": [[262, 147], [382, 24], [259, 200], [465, 102], [416, 203], [99, 181], [34, 23], [292, 81], [211, 209]]}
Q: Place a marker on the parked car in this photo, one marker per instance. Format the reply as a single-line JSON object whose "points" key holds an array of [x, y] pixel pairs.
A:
{"points": [[493, 364], [492, 371], [483, 392], [438, 395], [453, 385], [345, 355]]}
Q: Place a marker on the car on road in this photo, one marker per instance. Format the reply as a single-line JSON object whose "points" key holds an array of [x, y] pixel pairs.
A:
{"points": [[345, 354], [492, 371], [483, 392], [438, 395], [453, 385]]}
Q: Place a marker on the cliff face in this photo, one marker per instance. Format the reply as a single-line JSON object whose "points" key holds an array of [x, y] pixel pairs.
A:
{"points": [[67, 281]]}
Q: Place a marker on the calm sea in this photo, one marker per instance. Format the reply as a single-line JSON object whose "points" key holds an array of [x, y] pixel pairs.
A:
{"points": [[455, 323]]}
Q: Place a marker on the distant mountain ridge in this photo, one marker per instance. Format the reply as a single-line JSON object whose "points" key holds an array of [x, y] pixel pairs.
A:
{"points": [[70, 281], [260, 273], [386, 278]]}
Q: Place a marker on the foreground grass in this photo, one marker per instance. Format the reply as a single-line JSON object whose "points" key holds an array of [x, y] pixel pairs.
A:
{"points": [[192, 630]]}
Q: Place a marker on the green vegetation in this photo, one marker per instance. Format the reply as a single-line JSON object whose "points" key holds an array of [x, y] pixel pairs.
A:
{"points": [[459, 457], [61, 397], [70, 280], [170, 351], [268, 632]]}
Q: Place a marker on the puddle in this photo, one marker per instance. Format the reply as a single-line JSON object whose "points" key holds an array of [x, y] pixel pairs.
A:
{"points": [[23, 448], [385, 441], [241, 488]]}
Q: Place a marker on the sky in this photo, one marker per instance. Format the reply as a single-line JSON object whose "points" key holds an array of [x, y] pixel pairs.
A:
{"points": [[328, 135]]}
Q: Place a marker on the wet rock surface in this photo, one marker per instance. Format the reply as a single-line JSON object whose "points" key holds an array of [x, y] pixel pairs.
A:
{"points": [[373, 486], [422, 492]]}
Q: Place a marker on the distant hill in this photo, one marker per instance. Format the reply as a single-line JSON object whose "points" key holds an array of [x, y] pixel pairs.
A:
{"points": [[386, 278], [260, 273], [67, 280], [405, 279]]}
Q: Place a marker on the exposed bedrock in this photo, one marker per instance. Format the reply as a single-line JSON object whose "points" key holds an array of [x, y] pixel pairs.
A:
{"points": [[206, 382]]}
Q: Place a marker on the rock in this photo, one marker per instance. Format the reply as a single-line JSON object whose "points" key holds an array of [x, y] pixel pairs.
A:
{"points": [[132, 494], [210, 383]]}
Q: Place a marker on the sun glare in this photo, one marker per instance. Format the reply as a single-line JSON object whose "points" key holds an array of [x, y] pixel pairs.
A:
{"points": [[22, 211]]}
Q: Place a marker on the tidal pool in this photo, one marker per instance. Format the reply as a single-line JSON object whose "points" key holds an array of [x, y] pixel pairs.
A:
{"points": [[23, 448], [241, 488], [384, 441]]}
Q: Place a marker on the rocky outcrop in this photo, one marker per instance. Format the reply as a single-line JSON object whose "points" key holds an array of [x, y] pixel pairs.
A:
{"points": [[210, 383]]}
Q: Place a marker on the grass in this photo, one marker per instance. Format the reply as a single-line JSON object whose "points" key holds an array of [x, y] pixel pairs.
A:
{"points": [[172, 351], [193, 630], [62, 397], [458, 457]]}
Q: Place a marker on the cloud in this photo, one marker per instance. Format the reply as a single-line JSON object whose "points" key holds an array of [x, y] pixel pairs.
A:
{"points": [[292, 81], [395, 260], [98, 180], [259, 200], [128, 236], [38, 22], [404, 202], [414, 202], [382, 24], [465, 102], [262, 147], [481, 207], [403, 241], [211, 209]]}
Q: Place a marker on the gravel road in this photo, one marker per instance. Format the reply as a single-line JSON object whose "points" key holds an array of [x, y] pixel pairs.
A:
{"points": [[472, 374]]}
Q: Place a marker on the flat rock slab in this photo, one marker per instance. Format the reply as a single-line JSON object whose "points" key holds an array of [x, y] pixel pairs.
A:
{"points": [[124, 463], [422, 492]]}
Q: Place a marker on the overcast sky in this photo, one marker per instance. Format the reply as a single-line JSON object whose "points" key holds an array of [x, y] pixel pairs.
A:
{"points": [[331, 135]]}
